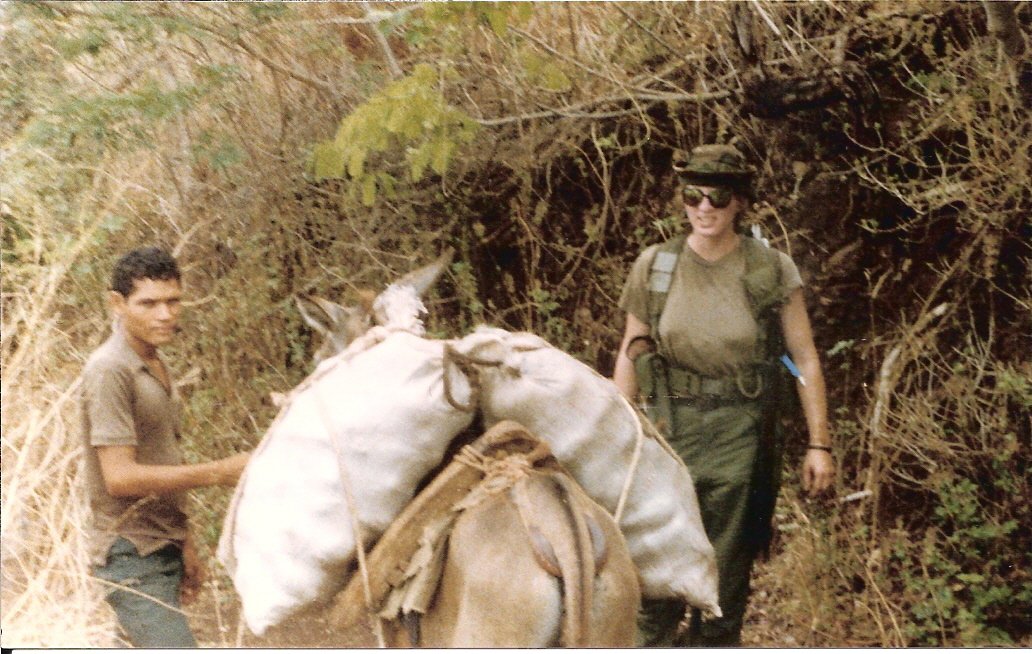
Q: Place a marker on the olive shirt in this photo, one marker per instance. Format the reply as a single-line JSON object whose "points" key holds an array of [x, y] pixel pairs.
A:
{"points": [[707, 324], [123, 403]]}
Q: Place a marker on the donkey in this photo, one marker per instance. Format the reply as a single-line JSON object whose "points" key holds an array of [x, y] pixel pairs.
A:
{"points": [[399, 306], [540, 566]]}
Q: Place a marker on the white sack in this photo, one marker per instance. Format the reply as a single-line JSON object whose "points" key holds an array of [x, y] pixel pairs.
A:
{"points": [[592, 430], [287, 539]]}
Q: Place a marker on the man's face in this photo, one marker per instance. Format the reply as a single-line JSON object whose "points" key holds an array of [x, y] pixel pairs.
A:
{"points": [[151, 312]]}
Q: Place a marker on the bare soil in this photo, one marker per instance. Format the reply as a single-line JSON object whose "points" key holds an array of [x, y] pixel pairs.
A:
{"points": [[216, 622]]}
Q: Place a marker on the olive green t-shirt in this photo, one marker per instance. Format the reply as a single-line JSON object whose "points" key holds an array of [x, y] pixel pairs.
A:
{"points": [[707, 324], [124, 404]]}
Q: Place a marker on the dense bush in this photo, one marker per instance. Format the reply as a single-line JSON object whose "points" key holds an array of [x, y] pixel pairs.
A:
{"points": [[328, 148]]}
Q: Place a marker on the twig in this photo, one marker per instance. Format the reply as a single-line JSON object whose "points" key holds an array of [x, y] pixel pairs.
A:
{"points": [[655, 37], [774, 28], [575, 111], [372, 17], [388, 53]]}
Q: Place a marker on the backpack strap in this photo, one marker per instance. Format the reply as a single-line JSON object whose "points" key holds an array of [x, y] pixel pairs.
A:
{"points": [[762, 281], [766, 293], [661, 275]]}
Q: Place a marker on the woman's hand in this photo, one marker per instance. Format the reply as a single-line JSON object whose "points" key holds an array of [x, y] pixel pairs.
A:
{"points": [[818, 471]]}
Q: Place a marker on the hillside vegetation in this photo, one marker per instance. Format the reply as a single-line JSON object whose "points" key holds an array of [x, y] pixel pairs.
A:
{"points": [[328, 148]]}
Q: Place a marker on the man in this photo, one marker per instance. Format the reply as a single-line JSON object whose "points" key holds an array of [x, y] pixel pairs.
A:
{"points": [[135, 473]]}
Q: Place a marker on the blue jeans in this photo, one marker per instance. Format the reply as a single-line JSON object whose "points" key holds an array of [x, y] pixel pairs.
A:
{"points": [[140, 580]]}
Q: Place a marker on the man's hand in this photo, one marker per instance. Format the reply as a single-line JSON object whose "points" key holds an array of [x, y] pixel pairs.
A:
{"points": [[818, 471], [230, 468], [194, 575]]}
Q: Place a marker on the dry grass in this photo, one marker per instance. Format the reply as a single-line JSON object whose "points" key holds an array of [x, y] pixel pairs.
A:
{"points": [[47, 594]]}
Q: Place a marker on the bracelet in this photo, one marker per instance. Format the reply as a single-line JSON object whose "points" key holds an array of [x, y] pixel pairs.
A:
{"points": [[823, 448]]}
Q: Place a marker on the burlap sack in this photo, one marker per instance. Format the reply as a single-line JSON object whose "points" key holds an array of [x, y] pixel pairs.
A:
{"points": [[370, 422], [593, 432]]}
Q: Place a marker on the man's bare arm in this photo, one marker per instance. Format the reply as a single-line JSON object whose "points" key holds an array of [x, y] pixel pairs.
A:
{"points": [[125, 477]]}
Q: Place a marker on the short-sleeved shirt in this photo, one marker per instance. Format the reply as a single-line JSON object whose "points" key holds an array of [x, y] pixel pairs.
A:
{"points": [[707, 324], [123, 403]]}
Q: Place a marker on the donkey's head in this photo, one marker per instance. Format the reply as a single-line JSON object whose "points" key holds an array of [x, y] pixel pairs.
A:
{"points": [[397, 306]]}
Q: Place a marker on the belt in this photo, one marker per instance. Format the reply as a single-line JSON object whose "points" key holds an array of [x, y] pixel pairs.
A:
{"points": [[689, 387]]}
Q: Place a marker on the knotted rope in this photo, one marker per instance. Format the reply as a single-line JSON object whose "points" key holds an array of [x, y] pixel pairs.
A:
{"points": [[467, 365], [500, 474]]}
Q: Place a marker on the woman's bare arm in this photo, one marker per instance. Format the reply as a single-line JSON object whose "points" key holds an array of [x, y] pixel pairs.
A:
{"points": [[818, 466], [623, 372]]}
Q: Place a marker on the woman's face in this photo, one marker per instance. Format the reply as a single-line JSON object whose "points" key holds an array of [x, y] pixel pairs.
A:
{"points": [[706, 219]]}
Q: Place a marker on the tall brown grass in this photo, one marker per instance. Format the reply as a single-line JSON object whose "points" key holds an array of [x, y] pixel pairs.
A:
{"points": [[48, 597]]}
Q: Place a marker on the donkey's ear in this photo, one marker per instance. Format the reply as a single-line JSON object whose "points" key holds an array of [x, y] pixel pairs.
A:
{"points": [[319, 314], [424, 278]]}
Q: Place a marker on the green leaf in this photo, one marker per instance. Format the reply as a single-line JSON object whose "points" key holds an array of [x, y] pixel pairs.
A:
{"points": [[418, 158], [356, 162], [499, 21], [442, 151], [553, 78], [841, 346], [395, 119], [327, 161], [369, 190], [91, 42], [970, 578], [387, 184], [523, 10]]}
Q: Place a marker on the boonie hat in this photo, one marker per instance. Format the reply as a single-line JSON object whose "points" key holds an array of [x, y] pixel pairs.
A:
{"points": [[715, 165]]}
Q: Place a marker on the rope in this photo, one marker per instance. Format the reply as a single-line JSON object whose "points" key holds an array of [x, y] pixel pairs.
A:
{"points": [[467, 366], [639, 443], [499, 474], [468, 456], [356, 527]]}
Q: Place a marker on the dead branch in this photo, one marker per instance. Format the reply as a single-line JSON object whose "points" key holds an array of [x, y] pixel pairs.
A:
{"points": [[1003, 25]]}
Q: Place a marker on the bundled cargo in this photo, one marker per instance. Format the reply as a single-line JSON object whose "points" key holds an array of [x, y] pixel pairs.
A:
{"points": [[367, 424], [596, 435], [347, 451]]}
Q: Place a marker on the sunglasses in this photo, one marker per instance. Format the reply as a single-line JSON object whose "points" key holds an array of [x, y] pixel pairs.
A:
{"points": [[719, 197]]}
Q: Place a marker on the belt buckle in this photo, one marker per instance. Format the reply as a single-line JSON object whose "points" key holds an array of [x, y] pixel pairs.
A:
{"points": [[706, 402], [756, 391]]}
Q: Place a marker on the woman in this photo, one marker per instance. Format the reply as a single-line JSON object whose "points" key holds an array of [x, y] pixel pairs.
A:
{"points": [[719, 309]]}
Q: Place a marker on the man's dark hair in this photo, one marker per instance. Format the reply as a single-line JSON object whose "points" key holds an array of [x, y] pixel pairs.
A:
{"points": [[143, 263]]}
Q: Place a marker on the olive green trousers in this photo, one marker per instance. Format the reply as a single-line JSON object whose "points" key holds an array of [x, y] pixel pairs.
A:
{"points": [[720, 447]]}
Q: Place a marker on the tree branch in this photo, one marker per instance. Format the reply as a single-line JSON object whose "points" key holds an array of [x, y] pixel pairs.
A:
{"points": [[1003, 24], [575, 111], [388, 54]]}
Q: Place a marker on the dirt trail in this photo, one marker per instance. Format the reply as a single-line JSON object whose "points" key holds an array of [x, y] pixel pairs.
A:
{"points": [[765, 625], [310, 629]]}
